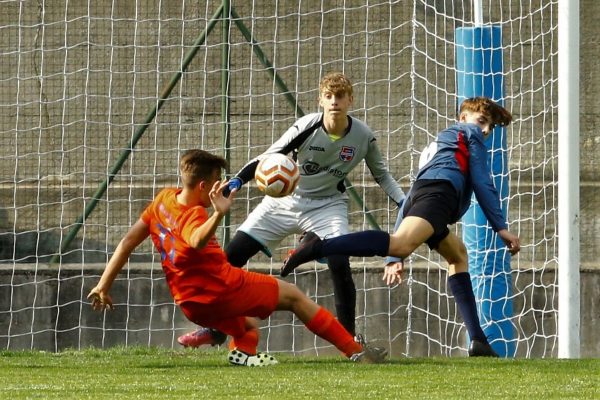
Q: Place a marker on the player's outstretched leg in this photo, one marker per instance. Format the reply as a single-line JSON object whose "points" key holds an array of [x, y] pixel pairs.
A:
{"points": [[369, 354], [323, 324], [360, 244], [202, 336], [305, 252]]}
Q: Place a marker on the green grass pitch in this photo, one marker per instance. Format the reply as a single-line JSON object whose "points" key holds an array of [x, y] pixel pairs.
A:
{"points": [[152, 373]]}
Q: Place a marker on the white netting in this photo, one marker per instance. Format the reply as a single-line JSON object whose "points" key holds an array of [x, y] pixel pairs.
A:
{"points": [[80, 81]]}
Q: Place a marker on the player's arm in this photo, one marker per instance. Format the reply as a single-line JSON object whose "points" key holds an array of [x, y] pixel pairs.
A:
{"points": [[382, 175], [290, 141], [511, 241], [99, 295], [200, 235], [394, 266], [246, 174], [483, 186], [486, 193]]}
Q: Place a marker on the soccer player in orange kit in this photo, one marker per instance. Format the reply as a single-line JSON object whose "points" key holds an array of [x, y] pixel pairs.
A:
{"points": [[207, 288]]}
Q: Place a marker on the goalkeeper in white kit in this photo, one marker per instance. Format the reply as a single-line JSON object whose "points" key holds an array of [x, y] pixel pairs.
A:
{"points": [[327, 146]]}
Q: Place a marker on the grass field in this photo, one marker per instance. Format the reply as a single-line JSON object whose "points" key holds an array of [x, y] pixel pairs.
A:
{"points": [[151, 373]]}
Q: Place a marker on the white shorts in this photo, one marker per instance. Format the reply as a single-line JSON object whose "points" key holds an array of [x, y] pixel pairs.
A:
{"points": [[276, 218]]}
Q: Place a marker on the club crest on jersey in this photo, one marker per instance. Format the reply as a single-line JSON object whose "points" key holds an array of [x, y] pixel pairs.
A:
{"points": [[347, 153]]}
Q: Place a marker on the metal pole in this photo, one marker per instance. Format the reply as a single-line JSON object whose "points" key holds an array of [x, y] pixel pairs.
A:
{"points": [[568, 180], [225, 118], [265, 61], [480, 72], [477, 12]]}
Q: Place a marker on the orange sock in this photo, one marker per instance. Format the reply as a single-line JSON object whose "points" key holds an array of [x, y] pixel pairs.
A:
{"points": [[246, 343], [324, 325]]}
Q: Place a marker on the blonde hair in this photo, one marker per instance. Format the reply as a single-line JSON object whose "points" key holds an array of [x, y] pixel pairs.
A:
{"points": [[336, 83], [197, 165], [497, 114]]}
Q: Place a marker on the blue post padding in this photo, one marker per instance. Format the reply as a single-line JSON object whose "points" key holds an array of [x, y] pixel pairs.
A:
{"points": [[479, 70]]}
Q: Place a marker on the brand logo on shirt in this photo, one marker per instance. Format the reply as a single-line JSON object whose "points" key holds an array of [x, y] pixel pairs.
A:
{"points": [[316, 148], [312, 168], [347, 153]]}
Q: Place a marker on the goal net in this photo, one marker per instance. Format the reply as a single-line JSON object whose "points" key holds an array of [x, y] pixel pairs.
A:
{"points": [[99, 99]]}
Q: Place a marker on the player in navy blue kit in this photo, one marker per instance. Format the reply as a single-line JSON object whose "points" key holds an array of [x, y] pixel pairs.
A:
{"points": [[327, 146], [452, 168]]}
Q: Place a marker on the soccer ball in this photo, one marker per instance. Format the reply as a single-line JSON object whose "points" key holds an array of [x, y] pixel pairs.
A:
{"points": [[277, 175]]}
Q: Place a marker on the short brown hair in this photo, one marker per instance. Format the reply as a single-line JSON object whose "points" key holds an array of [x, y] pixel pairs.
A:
{"points": [[197, 165], [336, 83], [497, 114]]}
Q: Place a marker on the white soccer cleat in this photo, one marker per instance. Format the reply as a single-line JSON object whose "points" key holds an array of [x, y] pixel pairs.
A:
{"points": [[237, 357]]}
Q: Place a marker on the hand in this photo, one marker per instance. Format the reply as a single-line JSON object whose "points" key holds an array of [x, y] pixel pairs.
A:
{"points": [[392, 272], [511, 241], [100, 299], [219, 201], [233, 184]]}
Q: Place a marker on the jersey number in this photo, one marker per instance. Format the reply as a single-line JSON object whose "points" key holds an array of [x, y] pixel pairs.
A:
{"points": [[167, 244], [427, 154]]}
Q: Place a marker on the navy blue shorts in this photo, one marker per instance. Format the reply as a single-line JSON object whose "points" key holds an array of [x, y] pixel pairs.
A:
{"points": [[436, 201]]}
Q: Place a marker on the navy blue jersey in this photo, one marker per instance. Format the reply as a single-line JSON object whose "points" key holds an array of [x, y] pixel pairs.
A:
{"points": [[459, 155]]}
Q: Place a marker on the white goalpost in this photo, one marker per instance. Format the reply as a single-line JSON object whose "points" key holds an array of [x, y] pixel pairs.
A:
{"points": [[100, 99], [568, 196]]}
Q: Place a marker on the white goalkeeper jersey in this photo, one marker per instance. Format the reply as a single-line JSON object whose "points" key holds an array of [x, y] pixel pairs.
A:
{"points": [[324, 163]]}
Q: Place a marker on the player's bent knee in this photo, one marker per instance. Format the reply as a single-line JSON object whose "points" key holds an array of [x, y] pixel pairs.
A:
{"points": [[454, 252], [458, 258], [400, 246], [289, 295], [461, 254]]}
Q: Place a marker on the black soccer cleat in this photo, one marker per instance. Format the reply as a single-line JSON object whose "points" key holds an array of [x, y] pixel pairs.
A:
{"points": [[478, 348], [369, 354], [305, 252]]}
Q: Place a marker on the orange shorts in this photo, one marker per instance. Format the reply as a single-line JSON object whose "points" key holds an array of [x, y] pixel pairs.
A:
{"points": [[257, 296]]}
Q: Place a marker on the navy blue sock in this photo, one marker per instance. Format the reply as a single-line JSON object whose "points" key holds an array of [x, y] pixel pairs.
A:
{"points": [[461, 288], [359, 244]]}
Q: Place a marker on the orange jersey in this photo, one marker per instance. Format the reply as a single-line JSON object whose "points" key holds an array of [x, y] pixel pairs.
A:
{"points": [[199, 275]]}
